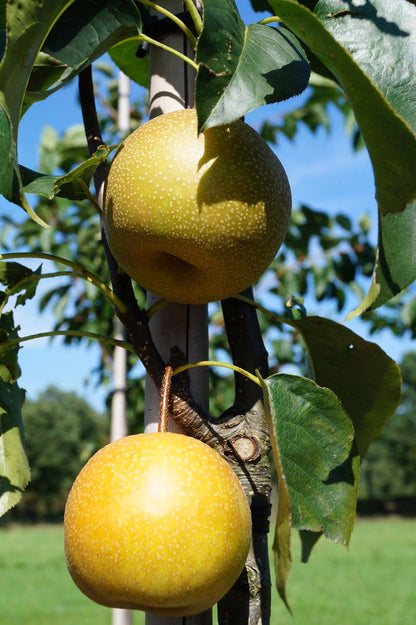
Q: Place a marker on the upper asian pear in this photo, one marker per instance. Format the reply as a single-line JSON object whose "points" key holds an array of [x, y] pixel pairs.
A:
{"points": [[193, 217]]}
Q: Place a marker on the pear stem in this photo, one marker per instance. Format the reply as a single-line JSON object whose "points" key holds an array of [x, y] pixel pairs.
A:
{"points": [[164, 404]]}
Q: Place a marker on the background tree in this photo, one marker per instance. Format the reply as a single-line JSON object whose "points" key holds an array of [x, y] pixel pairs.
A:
{"points": [[389, 470], [62, 433]]}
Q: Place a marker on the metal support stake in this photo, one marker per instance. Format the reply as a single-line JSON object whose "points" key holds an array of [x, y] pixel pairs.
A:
{"points": [[175, 325]]}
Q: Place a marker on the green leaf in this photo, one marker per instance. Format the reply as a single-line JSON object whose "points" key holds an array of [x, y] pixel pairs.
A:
{"points": [[14, 467], [75, 35], [45, 72], [84, 32], [281, 540], [124, 56], [17, 279], [357, 42], [12, 273], [9, 367], [359, 372], [318, 456], [28, 24], [341, 42], [395, 267], [242, 68], [73, 186]]}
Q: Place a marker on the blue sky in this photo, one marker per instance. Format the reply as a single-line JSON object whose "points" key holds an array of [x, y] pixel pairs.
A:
{"points": [[323, 171]]}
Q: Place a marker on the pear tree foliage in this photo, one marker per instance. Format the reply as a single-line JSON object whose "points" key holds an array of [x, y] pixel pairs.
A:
{"points": [[355, 55]]}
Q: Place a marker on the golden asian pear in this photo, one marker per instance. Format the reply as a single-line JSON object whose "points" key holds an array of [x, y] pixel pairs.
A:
{"points": [[157, 522]]}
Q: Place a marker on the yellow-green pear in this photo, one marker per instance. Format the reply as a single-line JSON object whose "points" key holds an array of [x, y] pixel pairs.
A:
{"points": [[195, 218]]}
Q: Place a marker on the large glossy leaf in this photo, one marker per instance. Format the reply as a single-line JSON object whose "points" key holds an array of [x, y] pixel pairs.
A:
{"points": [[14, 467], [74, 37], [370, 48], [28, 24], [318, 458], [359, 372], [242, 67], [83, 33]]}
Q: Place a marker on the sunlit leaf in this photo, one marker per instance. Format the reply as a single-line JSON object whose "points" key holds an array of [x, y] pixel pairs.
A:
{"points": [[281, 540], [358, 41], [366, 380], [14, 467], [83, 33], [75, 36], [73, 186], [242, 68], [318, 460], [28, 24]]}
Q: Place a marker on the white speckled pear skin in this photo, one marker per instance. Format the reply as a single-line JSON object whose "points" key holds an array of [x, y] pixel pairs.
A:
{"points": [[195, 218], [157, 522]]}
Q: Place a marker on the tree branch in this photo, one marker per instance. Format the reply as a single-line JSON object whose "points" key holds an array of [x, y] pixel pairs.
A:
{"points": [[247, 349], [249, 601], [135, 320]]}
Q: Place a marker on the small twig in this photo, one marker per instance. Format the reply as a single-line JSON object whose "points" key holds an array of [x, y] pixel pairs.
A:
{"points": [[78, 271], [246, 345], [79, 333], [250, 598], [215, 363], [165, 400], [135, 320]]}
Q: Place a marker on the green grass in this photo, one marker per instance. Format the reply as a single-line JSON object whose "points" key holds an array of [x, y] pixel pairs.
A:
{"points": [[35, 586], [374, 583]]}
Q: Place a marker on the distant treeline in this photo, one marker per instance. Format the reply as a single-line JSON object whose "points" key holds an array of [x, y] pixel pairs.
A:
{"points": [[402, 506]]}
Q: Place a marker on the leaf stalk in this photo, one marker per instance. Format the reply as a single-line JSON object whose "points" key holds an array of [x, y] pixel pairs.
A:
{"points": [[89, 335], [195, 16], [184, 28], [158, 44], [215, 363], [78, 270]]}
